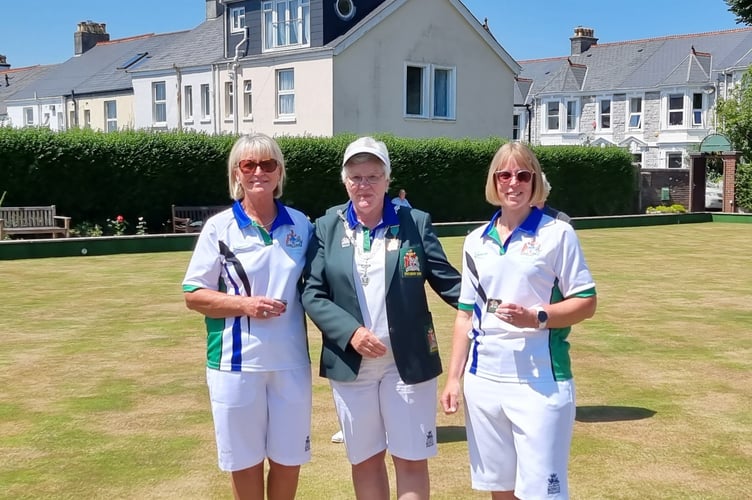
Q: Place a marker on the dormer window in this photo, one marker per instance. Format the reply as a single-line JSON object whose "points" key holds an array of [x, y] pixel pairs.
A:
{"points": [[286, 23], [237, 19], [345, 9]]}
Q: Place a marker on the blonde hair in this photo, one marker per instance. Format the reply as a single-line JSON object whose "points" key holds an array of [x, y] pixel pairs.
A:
{"points": [[525, 158], [254, 144]]}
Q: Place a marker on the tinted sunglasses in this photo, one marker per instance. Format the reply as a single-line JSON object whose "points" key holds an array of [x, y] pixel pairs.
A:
{"points": [[250, 166], [521, 175]]}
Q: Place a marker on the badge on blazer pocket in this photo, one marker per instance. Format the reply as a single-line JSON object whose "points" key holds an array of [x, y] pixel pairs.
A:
{"points": [[410, 263]]}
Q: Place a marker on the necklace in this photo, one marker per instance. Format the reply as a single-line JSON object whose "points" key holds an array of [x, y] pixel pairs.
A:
{"points": [[268, 223], [363, 258]]}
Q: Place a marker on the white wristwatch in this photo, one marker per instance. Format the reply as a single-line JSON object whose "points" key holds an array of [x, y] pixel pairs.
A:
{"points": [[542, 317]]}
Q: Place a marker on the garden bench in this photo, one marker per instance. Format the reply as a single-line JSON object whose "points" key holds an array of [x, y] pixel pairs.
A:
{"points": [[188, 219], [33, 220]]}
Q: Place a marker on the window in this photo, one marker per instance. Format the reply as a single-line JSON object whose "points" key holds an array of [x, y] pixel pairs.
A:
{"points": [[237, 19], [637, 160], [430, 91], [571, 115], [247, 99], [87, 118], [286, 23], [188, 102], [674, 160], [696, 109], [605, 113], [229, 96], [285, 93], [205, 101], [676, 110], [414, 90], [516, 127], [552, 115], [344, 9], [28, 116], [635, 112], [110, 116], [159, 102]]}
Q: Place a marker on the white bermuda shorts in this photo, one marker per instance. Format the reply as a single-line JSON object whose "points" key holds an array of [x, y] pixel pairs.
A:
{"points": [[259, 415], [379, 411], [519, 436]]}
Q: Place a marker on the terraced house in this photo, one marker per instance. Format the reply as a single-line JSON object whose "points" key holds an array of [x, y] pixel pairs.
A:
{"points": [[655, 97]]}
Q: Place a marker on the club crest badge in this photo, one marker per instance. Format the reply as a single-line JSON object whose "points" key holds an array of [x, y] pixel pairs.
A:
{"points": [[530, 247], [293, 240], [410, 264]]}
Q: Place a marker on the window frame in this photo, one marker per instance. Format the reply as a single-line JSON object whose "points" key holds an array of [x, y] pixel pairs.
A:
{"points": [[158, 104], [409, 88], [205, 102], [697, 112], [571, 116], [228, 95], [188, 103], [516, 126], [284, 93], [429, 98], [632, 114], [552, 106], [237, 19], [450, 99], [110, 122], [672, 155], [270, 24], [676, 110], [28, 114], [248, 99], [607, 114]]}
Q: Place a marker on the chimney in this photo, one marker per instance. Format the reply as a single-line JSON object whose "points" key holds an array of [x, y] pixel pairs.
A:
{"points": [[4, 62], [88, 35], [582, 40], [214, 9]]}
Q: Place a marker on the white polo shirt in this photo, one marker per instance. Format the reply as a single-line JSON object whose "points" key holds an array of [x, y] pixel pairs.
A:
{"points": [[235, 256], [540, 263]]}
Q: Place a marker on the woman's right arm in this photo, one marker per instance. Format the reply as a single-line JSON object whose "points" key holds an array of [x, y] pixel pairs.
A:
{"points": [[214, 304], [450, 397]]}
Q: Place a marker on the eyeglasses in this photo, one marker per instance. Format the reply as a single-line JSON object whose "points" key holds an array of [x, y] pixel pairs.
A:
{"points": [[505, 176], [250, 166], [357, 180]]}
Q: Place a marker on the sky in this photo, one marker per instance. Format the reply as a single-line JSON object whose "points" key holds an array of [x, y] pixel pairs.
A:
{"points": [[41, 32]]}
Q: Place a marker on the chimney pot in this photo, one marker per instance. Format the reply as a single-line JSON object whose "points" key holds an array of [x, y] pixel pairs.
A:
{"points": [[87, 35], [583, 39]]}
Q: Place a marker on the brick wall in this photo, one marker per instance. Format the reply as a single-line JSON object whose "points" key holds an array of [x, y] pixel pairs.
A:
{"points": [[653, 179]]}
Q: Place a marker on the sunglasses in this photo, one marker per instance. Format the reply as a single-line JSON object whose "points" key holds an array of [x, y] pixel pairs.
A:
{"points": [[250, 166], [521, 175]]}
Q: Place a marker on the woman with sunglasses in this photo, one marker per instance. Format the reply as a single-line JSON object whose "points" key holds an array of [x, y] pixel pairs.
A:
{"points": [[243, 277], [366, 293], [524, 284]]}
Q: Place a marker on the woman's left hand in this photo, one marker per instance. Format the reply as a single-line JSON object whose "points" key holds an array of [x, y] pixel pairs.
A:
{"points": [[517, 315]]}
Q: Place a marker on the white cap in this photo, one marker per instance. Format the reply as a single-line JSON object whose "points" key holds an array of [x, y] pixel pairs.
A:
{"points": [[368, 145]]}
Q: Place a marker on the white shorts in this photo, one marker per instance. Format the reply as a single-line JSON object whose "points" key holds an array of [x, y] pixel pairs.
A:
{"points": [[519, 436], [378, 411], [259, 415]]}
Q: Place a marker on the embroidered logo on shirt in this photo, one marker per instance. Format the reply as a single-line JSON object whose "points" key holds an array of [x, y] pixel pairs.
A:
{"points": [[308, 443], [429, 439], [530, 247], [293, 240], [554, 487]]}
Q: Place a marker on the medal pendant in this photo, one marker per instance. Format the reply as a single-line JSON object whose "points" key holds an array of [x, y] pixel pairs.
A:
{"points": [[364, 280]]}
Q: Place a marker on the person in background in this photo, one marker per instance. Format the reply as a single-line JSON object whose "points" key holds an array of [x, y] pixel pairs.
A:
{"points": [[401, 199], [548, 209], [365, 291], [525, 282], [244, 277]]}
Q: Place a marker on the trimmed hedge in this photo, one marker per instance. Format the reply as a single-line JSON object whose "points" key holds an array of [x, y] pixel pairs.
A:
{"points": [[94, 176]]}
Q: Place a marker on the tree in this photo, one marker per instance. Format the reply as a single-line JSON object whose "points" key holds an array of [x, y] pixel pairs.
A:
{"points": [[742, 9], [735, 115]]}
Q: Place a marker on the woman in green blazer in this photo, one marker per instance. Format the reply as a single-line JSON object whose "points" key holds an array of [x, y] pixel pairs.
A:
{"points": [[365, 290]]}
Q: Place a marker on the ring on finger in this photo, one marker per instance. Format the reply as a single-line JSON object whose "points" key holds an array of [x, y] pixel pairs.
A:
{"points": [[265, 313]]}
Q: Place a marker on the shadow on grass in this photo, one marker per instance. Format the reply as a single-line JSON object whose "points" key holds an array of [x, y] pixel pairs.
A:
{"points": [[611, 413], [451, 433]]}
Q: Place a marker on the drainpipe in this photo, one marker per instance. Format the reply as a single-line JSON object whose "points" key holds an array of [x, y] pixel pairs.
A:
{"points": [[235, 90], [179, 78]]}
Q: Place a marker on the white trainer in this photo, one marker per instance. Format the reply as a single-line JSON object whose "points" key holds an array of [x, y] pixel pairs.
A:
{"points": [[338, 437]]}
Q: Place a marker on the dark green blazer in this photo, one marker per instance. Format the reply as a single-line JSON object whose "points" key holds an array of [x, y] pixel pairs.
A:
{"points": [[331, 302]]}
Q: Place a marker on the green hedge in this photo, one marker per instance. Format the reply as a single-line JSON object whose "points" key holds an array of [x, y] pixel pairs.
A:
{"points": [[94, 176]]}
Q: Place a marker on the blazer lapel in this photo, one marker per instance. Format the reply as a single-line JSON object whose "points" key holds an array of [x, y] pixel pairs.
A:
{"points": [[393, 240], [343, 252]]}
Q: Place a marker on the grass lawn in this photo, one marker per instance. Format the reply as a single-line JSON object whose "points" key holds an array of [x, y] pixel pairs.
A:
{"points": [[102, 391]]}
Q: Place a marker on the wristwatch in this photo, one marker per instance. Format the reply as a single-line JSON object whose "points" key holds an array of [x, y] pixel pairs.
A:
{"points": [[542, 317]]}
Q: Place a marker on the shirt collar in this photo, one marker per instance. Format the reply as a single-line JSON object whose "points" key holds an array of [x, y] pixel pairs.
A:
{"points": [[389, 216], [283, 216], [529, 225]]}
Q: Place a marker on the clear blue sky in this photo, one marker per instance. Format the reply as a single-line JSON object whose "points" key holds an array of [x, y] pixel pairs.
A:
{"points": [[41, 32]]}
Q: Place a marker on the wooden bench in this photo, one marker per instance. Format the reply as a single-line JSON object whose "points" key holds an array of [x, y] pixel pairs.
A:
{"points": [[187, 219], [33, 220]]}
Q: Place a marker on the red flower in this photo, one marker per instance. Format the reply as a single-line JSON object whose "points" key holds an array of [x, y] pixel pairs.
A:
{"points": [[119, 218]]}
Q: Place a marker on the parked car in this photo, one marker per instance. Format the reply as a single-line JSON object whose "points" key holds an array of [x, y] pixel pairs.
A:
{"points": [[713, 196]]}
